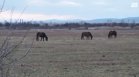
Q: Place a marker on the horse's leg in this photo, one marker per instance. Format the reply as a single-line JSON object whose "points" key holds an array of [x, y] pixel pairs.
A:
{"points": [[82, 37], [41, 38], [91, 37], [110, 36], [115, 36], [88, 38], [37, 38]]}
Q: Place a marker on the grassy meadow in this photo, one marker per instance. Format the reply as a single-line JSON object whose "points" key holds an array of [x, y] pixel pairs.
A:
{"points": [[66, 55]]}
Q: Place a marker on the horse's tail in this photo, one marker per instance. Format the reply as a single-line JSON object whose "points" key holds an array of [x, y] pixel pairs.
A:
{"points": [[82, 36], [37, 37], [109, 34]]}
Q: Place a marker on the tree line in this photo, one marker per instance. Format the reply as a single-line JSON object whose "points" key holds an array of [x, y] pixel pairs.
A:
{"points": [[26, 25]]}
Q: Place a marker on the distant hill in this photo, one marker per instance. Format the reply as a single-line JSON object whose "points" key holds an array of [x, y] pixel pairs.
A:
{"points": [[104, 20], [132, 19], [65, 21], [109, 20]]}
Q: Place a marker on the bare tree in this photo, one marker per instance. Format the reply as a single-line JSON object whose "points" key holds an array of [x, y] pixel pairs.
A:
{"points": [[7, 49]]}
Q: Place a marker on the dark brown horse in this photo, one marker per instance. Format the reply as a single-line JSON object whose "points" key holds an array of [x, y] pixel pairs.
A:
{"points": [[112, 34], [88, 35], [41, 35]]}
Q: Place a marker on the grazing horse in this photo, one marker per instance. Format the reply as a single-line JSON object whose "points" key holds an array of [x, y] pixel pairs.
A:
{"points": [[112, 33], [42, 35], [88, 35]]}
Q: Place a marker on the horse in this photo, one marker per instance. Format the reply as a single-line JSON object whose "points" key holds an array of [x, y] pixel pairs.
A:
{"points": [[112, 33], [88, 35], [42, 35]]}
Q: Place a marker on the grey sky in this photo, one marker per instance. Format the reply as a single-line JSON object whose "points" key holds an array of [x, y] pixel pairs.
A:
{"points": [[71, 9]]}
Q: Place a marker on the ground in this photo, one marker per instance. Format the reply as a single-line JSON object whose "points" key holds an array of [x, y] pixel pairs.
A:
{"points": [[66, 55]]}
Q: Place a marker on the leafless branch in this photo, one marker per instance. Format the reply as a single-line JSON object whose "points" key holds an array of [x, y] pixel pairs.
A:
{"points": [[14, 47], [27, 52], [1, 9], [11, 18], [7, 37], [21, 13], [6, 49]]}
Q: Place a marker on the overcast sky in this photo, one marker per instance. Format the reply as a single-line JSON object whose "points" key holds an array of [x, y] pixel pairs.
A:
{"points": [[69, 9]]}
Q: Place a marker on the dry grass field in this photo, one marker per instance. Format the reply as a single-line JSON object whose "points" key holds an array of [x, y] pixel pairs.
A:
{"points": [[66, 55]]}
